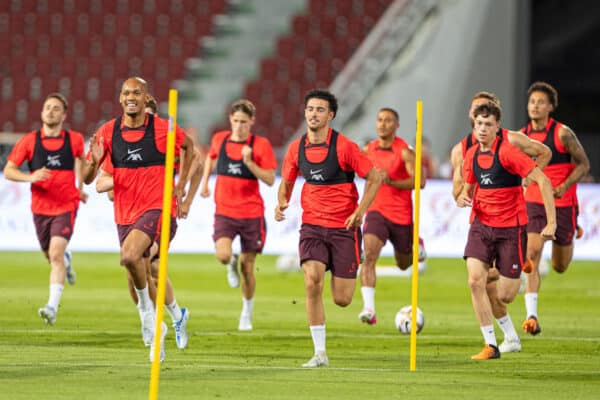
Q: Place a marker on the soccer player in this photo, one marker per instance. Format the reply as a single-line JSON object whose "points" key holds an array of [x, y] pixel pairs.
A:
{"points": [[179, 315], [135, 142], [330, 235], [568, 165], [55, 158], [390, 216], [532, 148], [492, 170], [242, 159]]}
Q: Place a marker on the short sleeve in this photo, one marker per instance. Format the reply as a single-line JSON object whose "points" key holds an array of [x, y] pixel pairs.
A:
{"points": [[22, 150], [289, 170], [352, 158]]}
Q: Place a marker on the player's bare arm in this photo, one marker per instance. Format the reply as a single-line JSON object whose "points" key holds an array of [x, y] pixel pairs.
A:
{"points": [[196, 171], [456, 159], [578, 157], [79, 164], [283, 197], [90, 167], [209, 165], [533, 148], [12, 173], [465, 197], [537, 176], [408, 156], [184, 176], [373, 181], [105, 182], [265, 175]]}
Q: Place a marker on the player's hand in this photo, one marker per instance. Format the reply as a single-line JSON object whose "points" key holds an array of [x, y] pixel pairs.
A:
{"points": [[205, 191], [83, 196], [464, 201], [279, 211], [354, 220], [183, 210], [559, 191], [179, 192], [548, 232], [40, 175], [385, 178], [246, 154], [526, 182], [97, 148]]}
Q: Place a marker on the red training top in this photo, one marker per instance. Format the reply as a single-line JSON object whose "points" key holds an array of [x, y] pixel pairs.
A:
{"points": [[327, 205], [58, 194], [237, 195], [500, 205], [138, 189], [393, 203]]}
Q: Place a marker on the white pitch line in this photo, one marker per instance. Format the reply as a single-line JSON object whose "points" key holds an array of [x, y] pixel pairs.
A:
{"points": [[53, 331]]}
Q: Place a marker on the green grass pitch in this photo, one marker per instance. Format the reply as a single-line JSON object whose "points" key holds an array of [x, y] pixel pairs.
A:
{"points": [[95, 349]]}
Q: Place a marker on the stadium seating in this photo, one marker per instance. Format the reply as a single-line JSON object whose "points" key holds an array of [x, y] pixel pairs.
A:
{"points": [[82, 48], [319, 43]]}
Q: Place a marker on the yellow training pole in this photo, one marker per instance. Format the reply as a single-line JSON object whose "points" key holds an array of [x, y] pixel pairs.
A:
{"points": [[164, 243], [415, 259]]}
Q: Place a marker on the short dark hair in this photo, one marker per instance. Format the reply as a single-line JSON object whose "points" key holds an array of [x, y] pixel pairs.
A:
{"points": [[547, 88], [243, 105], [486, 95], [487, 109], [323, 95], [60, 97], [390, 110]]}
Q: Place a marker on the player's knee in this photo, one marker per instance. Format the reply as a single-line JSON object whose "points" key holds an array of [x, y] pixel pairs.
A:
{"points": [[223, 256], [313, 284], [477, 283], [128, 258], [533, 254], [342, 299], [370, 258], [55, 257], [506, 298], [560, 267]]}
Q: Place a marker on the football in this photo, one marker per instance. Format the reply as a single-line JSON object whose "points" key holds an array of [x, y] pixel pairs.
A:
{"points": [[288, 263], [403, 319]]}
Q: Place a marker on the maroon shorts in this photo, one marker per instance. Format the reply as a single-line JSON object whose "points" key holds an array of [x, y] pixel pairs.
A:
{"points": [[508, 246], [252, 231], [400, 236], [566, 221], [337, 248], [149, 223], [47, 226]]}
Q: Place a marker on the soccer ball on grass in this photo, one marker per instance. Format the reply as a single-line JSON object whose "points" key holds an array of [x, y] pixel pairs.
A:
{"points": [[403, 319]]}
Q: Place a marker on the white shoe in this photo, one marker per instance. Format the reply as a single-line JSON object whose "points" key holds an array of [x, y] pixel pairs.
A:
{"points": [[181, 335], [245, 322], [422, 252], [71, 275], [233, 276], [48, 314], [510, 345], [163, 333], [148, 322], [318, 360], [367, 316]]}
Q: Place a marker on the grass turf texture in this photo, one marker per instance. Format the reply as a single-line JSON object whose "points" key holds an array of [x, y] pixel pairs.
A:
{"points": [[95, 349]]}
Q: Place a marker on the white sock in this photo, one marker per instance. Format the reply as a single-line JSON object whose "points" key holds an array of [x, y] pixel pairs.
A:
{"points": [[144, 301], [507, 327], [247, 306], [318, 336], [488, 335], [56, 290], [531, 300], [368, 295], [174, 310]]}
